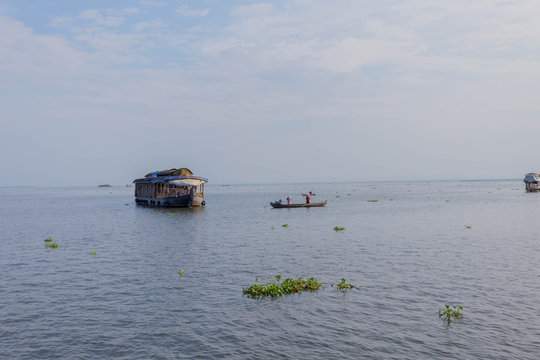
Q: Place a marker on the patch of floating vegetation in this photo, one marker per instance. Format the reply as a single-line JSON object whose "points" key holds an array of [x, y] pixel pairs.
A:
{"points": [[372, 200], [170, 214], [94, 252], [337, 196], [451, 312], [277, 288], [468, 226], [343, 285], [181, 272], [285, 225], [48, 239], [51, 245], [339, 228]]}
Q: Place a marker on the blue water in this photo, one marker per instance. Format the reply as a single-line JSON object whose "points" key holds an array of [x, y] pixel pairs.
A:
{"points": [[409, 254]]}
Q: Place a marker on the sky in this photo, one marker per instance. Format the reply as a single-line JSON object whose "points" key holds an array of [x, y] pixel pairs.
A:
{"points": [[95, 92]]}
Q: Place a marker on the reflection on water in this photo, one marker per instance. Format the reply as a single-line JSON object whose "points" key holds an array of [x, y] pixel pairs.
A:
{"points": [[420, 246]]}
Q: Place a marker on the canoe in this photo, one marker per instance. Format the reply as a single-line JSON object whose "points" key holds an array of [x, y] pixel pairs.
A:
{"points": [[304, 205]]}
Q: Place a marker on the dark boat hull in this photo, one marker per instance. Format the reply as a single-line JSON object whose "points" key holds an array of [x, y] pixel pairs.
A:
{"points": [[179, 201], [280, 206]]}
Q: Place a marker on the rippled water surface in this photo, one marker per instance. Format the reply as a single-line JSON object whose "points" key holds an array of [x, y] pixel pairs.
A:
{"points": [[408, 253]]}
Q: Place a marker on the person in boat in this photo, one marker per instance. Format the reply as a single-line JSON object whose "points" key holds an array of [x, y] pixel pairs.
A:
{"points": [[289, 200], [308, 198]]}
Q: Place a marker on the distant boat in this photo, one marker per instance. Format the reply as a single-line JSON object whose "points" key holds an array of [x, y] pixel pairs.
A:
{"points": [[531, 181], [277, 205], [170, 188], [105, 185]]}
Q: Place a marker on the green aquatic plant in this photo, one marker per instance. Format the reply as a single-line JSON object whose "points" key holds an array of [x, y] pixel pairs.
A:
{"points": [[273, 228], [337, 196], [451, 311], [48, 239], [277, 288], [372, 200], [94, 252], [181, 272], [285, 225], [344, 285], [170, 214], [339, 228], [468, 226], [51, 245]]}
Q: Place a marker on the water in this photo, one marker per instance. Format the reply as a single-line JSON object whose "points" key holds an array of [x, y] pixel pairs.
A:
{"points": [[409, 253]]}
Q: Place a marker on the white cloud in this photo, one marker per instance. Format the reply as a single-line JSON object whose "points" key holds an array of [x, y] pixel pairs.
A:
{"points": [[153, 3], [190, 12], [256, 9]]}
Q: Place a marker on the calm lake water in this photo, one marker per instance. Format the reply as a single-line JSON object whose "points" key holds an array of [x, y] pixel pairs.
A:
{"points": [[409, 254]]}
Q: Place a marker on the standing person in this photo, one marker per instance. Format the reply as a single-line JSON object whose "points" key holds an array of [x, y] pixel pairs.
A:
{"points": [[307, 199], [289, 200]]}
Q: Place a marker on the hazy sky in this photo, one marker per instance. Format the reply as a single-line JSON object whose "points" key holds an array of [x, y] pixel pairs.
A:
{"points": [[99, 91]]}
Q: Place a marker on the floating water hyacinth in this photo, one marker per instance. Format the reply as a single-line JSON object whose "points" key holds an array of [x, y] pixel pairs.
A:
{"points": [[94, 252], [285, 225], [339, 228], [451, 312], [51, 245], [275, 288], [468, 226], [372, 200], [181, 272], [170, 214], [48, 239], [343, 285]]}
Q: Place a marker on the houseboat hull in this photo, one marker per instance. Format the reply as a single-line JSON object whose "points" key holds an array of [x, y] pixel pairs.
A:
{"points": [[178, 201]]}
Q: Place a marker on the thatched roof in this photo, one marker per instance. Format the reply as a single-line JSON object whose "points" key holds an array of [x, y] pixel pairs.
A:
{"points": [[170, 172]]}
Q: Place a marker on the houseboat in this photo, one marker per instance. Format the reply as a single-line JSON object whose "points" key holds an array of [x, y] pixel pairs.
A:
{"points": [[170, 188], [531, 181]]}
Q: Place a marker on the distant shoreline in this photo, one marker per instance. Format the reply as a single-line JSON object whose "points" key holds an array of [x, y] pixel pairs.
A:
{"points": [[276, 183]]}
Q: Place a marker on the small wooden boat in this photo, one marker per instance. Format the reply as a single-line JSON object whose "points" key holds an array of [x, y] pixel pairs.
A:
{"points": [[303, 205]]}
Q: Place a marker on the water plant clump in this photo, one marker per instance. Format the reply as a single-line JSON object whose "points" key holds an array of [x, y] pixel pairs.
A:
{"points": [[372, 200], [343, 285], [51, 245], [451, 312], [468, 226], [94, 252], [48, 239], [339, 228], [285, 225], [181, 272], [277, 288]]}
